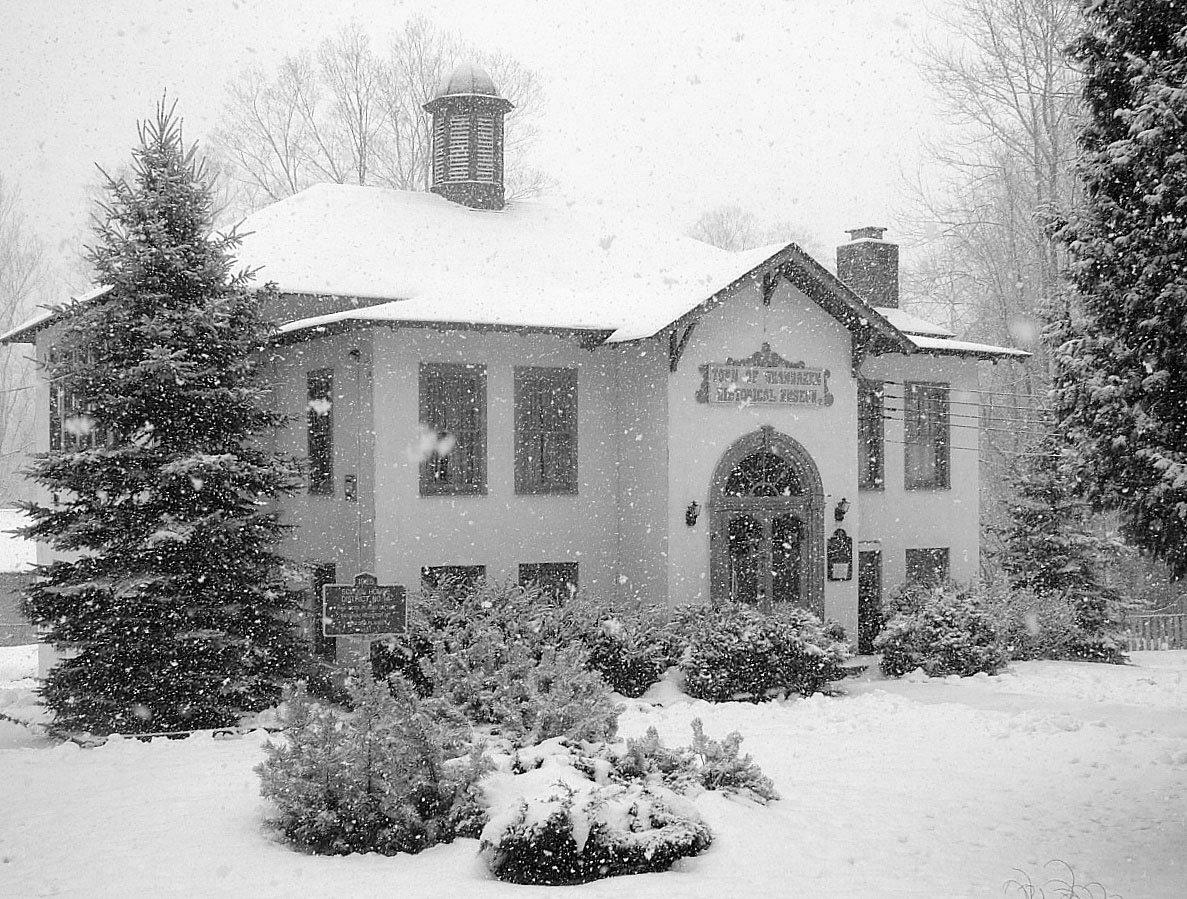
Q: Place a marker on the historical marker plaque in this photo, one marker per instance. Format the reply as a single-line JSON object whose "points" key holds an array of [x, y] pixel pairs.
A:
{"points": [[363, 608]]}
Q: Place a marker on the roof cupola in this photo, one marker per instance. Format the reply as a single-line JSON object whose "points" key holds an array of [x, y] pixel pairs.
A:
{"points": [[466, 164]]}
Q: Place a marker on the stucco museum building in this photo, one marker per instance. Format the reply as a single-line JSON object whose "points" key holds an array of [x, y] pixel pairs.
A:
{"points": [[534, 392]]}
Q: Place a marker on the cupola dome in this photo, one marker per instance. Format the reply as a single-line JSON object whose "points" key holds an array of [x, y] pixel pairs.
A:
{"points": [[466, 165]]}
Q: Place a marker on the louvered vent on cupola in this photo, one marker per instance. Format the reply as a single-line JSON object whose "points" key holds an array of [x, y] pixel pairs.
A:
{"points": [[467, 157]]}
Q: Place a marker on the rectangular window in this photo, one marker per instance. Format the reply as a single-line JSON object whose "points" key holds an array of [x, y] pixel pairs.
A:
{"points": [[926, 436], [546, 430], [927, 567], [871, 433], [72, 421], [323, 646], [320, 416], [557, 579], [453, 406], [454, 579]]}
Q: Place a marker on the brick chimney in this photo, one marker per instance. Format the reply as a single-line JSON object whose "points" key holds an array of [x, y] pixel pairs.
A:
{"points": [[869, 265]]}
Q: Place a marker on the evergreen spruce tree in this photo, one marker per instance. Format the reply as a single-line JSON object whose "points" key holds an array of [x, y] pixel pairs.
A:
{"points": [[1121, 350], [169, 595], [1049, 548]]}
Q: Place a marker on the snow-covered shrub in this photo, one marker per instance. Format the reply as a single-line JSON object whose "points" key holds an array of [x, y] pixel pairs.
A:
{"points": [[943, 630], [527, 698], [496, 653], [577, 835], [707, 763], [631, 648], [735, 651], [388, 777], [1045, 625]]}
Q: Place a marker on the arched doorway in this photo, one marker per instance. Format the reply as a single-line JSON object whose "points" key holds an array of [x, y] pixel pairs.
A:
{"points": [[767, 523]]}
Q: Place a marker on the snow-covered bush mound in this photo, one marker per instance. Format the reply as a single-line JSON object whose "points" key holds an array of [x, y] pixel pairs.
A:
{"points": [[565, 812], [391, 776], [582, 833], [942, 630], [737, 652]]}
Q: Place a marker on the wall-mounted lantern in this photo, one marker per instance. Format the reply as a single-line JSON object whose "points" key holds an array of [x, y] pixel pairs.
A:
{"points": [[691, 513], [840, 509]]}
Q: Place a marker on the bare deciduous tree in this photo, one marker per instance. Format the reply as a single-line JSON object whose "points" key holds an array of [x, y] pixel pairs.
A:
{"points": [[23, 278], [1012, 97], [731, 227], [346, 113]]}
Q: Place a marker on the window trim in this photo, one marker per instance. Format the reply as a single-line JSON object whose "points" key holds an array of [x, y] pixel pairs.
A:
{"points": [[529, 482], [943, 453], [874, 392], [429, 486]]}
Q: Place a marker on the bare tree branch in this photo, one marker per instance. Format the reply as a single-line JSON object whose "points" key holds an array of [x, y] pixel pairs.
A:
{"points": [[344, 113]]}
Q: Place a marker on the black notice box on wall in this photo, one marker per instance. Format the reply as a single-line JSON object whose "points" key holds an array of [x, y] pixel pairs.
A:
{"points": [[350, 488], [840, 556]]}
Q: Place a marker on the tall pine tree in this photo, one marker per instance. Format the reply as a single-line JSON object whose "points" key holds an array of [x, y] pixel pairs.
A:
{"points": [[168, 594], [1121, 351]]}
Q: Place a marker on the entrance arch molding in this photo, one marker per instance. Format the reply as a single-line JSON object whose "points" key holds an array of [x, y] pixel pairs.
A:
{"points": [[807, 505]]}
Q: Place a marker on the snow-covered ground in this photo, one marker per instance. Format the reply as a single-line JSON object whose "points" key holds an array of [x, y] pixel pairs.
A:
{"points": [[924, 788]]}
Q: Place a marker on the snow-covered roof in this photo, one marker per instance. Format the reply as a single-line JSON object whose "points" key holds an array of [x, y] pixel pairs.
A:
{"points": [[944, 346], [424, 259], [912, 324], [529, 265], [26, 328]]}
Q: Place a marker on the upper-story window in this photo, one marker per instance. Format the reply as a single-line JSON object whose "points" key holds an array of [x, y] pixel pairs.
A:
{"points": [[926, 436], [72, 422], [453, 406], [545, 430], [871, 433], [319, 413]]}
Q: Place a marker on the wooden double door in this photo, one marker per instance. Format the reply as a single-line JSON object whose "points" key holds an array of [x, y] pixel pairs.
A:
{"points": [[765, 553]]}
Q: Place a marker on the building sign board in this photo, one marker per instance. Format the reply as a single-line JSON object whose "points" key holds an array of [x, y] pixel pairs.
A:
{"points": [[363, 608], [764, 378]]}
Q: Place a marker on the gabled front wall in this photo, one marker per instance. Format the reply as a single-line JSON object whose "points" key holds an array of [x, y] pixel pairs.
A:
{"points": [[700, 433]]}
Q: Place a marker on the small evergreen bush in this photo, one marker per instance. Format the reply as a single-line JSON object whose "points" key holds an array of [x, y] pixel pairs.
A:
{"points": [[496, 654], [709, 764], [1045, 625], [735, 651], [392, 776], [943, 630], [630, 648], [527, 699]]}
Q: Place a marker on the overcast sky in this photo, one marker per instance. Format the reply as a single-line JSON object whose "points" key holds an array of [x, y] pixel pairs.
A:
{"points": [[803, 110]]}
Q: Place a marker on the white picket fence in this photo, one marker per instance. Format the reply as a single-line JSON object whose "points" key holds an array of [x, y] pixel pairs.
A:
{"points": [[1159, 630]]}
